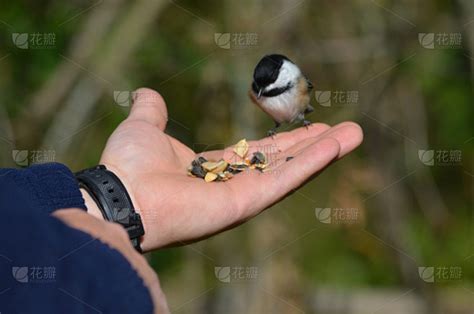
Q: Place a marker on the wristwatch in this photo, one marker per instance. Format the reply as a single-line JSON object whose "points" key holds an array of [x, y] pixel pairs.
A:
{"points": [[113, 200]]}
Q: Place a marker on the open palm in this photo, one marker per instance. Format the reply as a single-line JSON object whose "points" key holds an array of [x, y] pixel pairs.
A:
{"points": [[176, 208]]}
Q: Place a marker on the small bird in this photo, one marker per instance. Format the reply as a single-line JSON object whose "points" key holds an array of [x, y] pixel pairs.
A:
{"points": [[281, 90]]}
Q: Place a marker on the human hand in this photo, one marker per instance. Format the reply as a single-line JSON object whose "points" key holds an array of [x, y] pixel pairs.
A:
{"points": [[117, 238], [176, 208]]}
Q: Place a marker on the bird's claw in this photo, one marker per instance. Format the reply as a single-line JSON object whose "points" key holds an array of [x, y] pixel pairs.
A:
{"points": [[271, 133], [306, 123]]}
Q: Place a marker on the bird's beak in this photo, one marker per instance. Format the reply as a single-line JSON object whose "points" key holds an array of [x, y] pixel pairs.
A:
{"points": [[260, 91]]}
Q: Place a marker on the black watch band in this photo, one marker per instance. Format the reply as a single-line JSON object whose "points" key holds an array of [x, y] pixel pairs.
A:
{"points": [[113, 200]]}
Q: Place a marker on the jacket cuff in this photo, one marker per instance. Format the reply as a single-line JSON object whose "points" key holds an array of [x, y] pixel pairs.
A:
{"points": [[52, 184]]}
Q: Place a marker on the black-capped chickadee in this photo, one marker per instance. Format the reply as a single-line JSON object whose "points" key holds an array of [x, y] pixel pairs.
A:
{"points": [[281, 90]]}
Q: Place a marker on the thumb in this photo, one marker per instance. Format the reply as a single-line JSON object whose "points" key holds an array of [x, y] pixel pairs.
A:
{"points": [[149, 106]]}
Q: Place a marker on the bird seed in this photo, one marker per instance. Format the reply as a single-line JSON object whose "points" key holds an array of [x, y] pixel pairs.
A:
{"points": [[222, 170]]}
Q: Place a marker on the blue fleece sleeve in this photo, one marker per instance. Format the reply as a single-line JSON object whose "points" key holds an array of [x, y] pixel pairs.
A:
{"points": [[48, 267]]}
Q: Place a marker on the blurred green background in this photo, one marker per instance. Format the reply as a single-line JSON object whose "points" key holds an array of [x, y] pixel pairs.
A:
{"points": [[388, 229]]}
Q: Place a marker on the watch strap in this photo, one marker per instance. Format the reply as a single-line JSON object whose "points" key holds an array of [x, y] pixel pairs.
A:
{"points": [[113, 200]]}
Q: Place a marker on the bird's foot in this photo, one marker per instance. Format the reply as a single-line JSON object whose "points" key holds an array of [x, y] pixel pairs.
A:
{"points": [[271, 133], [306, 123]]}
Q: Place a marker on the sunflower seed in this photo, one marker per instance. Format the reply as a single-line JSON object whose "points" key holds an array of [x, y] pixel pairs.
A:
{"points": [[222, 170], [197, 171], [238, 166], [241, 148], [258, 158], [199, 161]]}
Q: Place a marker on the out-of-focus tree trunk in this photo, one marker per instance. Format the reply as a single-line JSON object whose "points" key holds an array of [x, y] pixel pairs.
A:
{"points": [[106, 67]]}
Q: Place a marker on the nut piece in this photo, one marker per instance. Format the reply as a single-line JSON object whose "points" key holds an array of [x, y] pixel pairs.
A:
{"points": [[241, 148], [210, 177], [220, 167], [209, 165], [215, 167]]}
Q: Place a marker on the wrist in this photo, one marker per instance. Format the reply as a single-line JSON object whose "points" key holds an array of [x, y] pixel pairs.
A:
{"points": [[144, 241], [107, 194], [91, 205]]}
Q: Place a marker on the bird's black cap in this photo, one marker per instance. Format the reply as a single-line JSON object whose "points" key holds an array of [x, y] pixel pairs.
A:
{"points": [[267, 70]]}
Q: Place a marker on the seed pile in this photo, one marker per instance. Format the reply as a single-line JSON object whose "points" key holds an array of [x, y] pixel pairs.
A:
{"points": [[222, 170]]}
